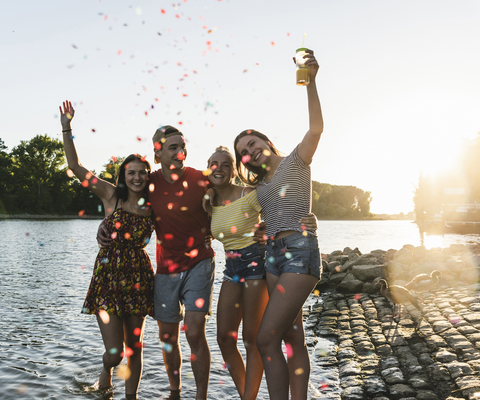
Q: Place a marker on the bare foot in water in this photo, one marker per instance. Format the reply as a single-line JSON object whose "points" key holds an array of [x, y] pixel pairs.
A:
{"points": [[105, 380]]}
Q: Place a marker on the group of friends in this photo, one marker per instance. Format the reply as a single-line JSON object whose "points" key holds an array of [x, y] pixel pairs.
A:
{"points": [[270, 269]]}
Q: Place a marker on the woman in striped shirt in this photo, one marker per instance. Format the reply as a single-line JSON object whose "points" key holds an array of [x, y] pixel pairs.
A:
{"points": [[293, 257]]}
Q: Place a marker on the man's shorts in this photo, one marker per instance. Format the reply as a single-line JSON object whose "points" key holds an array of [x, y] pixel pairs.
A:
{"points": [[294, 253], [190, 290], [244, 264]]}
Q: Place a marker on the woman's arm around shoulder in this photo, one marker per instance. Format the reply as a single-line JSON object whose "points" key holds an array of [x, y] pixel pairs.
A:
{"points": [[309, 144]]}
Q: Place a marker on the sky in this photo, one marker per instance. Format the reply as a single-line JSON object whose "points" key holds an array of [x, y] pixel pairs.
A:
{"points": [[399, 81]]}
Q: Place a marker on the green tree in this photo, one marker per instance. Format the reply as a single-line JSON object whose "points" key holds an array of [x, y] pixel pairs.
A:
{"points": [[111, 169], [6, 179], [340, 202], [41, 183]]}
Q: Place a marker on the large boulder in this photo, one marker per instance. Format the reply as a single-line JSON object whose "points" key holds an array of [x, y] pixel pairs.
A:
{"points": [[368, 273], [350, 284], [404, 255]]}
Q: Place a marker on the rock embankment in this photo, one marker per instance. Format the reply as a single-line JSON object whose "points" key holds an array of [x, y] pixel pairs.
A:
{"points": [[432, 354]]}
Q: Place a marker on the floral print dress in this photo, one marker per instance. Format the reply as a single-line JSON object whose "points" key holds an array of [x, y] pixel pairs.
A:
{"points": [[123, 277]]}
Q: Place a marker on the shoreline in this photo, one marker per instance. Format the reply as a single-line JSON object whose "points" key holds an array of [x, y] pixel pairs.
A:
{"points": [[75, 216], [47, 216]]}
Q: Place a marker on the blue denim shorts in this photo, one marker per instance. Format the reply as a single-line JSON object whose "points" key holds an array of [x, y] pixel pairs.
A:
{"points": [[244, 264], [294, 253]]}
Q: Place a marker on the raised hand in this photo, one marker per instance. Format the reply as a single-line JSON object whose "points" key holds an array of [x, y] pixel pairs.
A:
{"points": [[66, 114], [312, 63]]}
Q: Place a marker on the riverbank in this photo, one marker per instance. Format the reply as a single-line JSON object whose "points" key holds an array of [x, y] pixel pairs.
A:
{"points": [[431, 353], [48, 216]]}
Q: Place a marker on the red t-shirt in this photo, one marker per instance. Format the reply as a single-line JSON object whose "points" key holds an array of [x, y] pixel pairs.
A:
{"points": [[181, 223]]}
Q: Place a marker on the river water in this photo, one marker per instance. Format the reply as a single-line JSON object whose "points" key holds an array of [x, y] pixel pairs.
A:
{"points": [[50, 350]]}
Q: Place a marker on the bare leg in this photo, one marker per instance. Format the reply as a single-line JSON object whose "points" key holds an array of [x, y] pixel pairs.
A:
{"points": [[197, 339], [169, 334], [287, 295], [112, 335], [134, 342], [299, 360], [255, 298], [229, 315]]}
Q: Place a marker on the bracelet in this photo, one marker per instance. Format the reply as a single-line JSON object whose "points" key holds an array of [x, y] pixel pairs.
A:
{"points": [[66, 130]]}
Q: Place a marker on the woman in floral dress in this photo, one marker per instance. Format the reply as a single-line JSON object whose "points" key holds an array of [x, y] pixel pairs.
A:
{"points": [[121, 289]]}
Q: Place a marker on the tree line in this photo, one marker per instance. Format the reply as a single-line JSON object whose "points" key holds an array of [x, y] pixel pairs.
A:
{"points": [[34, 180]]}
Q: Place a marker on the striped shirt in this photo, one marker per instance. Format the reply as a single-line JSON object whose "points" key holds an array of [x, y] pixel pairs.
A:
{"points": [[233, 224], [287, 197]]}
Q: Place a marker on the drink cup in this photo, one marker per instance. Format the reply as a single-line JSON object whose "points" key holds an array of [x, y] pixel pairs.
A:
{"points": [[303, 75]]}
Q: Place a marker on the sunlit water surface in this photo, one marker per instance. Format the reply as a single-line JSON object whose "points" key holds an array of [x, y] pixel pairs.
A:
{"points": [[50, 350]]}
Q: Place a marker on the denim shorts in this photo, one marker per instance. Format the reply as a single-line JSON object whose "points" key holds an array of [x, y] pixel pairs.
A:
{"points": [[294, 253], [244, 264], [190, 290]]}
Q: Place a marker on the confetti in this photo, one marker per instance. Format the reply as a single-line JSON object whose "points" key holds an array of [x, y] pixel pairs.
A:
{"points": [[280, 288], [174, 177], [245, 159], [193, 357], [118, 224], [199, 302], [170, 206], [190, 241], [299, 371], [127, 235], [104, 316], [167, 347], [137, 331], [168, 236], [123, 372], [127, 353], [193, 254], [288, 350], [69, 173], [81, 213]]}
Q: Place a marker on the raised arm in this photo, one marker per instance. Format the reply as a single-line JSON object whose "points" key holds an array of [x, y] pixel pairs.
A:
{"points": [[309, 144], [103, 189]]}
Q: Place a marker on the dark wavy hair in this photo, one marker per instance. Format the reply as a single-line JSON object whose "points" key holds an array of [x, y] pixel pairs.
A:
{"points": [[121, 191], [247, 173]]}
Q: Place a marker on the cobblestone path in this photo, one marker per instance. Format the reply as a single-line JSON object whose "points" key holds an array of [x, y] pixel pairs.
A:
{"points": [[364, 354]]}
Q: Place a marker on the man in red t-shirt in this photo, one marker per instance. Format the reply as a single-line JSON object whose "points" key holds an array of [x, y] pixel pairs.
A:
{"points": [[185, 263], [185, 259]]}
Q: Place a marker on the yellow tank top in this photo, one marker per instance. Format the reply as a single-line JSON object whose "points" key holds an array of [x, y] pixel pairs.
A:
{"points": [[233, 224]]}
